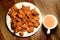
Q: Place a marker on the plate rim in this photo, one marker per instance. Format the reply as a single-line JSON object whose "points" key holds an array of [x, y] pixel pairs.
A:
{"points": [[40, 22]]}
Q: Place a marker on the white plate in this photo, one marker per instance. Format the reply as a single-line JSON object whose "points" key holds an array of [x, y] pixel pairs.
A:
{"points": [[19, 5]]}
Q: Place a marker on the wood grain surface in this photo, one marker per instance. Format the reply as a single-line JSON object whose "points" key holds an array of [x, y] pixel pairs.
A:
{"points": [[46, 7]]}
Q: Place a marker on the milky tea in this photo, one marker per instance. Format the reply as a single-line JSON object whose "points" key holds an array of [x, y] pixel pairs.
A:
{"points": [[50, 21]]}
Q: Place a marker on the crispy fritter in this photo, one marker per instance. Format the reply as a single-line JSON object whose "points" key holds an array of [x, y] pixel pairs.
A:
{"points": [[24, 19]]}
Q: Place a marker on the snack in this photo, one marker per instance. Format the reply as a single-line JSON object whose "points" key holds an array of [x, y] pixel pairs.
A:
{"points": [[24, 19]]}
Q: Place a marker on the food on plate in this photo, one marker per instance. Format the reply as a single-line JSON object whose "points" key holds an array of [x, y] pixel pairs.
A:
{"points": [[31, 29], [24, 19]]}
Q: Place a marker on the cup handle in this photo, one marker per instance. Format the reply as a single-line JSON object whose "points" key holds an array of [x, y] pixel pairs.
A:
{"points": [[48, 31]]}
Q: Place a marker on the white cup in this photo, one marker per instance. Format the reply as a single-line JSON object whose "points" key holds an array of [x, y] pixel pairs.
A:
{"points": [[55, 23]]}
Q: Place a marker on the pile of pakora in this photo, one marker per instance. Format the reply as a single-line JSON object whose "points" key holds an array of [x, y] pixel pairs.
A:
{"points": [[24, 19]]}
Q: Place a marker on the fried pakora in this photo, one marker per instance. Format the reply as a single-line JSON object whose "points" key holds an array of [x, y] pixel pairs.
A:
{"points": [[24, 19]]}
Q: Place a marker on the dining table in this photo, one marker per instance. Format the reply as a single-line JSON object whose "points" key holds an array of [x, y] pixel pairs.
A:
{"points": [[46, 7]]}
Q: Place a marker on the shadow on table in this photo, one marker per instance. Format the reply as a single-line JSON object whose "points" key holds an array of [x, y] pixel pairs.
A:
{"points": [[52, 31]]}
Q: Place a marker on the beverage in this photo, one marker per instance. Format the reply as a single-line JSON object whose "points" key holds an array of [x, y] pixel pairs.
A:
{"points": [[50, 22]]}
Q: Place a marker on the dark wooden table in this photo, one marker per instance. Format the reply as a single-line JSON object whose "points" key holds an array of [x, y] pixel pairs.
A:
{"points": [[46, 7]]}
